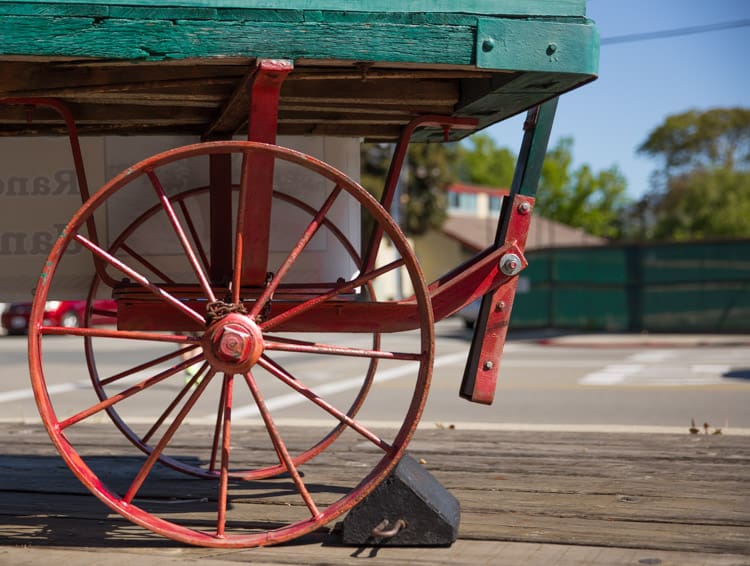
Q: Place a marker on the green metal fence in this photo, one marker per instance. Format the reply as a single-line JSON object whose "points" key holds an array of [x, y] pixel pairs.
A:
{"points": [[686, 287]]}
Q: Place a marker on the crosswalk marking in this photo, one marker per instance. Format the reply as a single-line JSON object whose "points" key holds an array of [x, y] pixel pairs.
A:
{"points": [[611, 374], [645, 375]]}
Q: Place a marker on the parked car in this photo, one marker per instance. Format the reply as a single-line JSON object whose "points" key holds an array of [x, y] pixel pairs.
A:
{"points": [[3, 306], [15, 319]]}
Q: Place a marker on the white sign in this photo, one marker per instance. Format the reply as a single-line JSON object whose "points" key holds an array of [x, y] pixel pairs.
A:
{"points": [[39, 194]]}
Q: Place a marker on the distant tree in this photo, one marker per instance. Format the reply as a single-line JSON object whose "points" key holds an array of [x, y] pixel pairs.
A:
{"points": [[374, 161], [480, 161], [702, 188], [593, 201], [717, 138], [578, 197], [428, 171]]}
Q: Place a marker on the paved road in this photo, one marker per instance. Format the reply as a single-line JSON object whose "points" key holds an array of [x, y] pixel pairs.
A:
{"points": [[575, 385]]}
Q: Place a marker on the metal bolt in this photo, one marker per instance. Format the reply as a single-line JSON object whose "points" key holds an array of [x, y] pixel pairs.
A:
{"points": [[488, 45], [524, 208], [500, 306], [232, 343], [551, 48], [510, 264], [488, 365]]}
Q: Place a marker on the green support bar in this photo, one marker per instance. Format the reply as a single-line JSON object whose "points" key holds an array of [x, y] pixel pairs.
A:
{"points": [[533, 150], [537, 130]]}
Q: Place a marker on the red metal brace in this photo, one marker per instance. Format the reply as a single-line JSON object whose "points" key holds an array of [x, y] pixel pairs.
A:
{"points": [[446, 123], [482, 366], [254, 222], [484, 369]]}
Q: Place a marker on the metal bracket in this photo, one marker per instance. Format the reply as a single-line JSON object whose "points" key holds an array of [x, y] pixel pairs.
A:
{"points": [[257, 173]]}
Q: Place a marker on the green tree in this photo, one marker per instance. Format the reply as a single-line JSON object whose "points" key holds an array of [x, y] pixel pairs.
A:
{"points": [[423, 199], [428, 171], [593, 201], [374, 161], [578, 197], [702, 187], [480, 161], [701, 140]]}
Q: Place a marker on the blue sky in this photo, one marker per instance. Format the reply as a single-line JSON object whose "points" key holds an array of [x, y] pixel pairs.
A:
{"points": [[643, 82]]}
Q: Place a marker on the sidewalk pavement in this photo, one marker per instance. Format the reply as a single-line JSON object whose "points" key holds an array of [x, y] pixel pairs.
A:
{"points": [[574, 339]]}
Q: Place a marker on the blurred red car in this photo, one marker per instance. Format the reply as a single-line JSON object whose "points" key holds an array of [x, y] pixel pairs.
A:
{"points": [[15, 319]]}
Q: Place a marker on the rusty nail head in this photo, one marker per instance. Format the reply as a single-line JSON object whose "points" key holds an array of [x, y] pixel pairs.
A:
{"points": [[524, 208]]}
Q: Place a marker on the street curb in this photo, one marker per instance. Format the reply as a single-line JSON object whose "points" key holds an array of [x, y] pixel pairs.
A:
{"points": [[573, 342]]}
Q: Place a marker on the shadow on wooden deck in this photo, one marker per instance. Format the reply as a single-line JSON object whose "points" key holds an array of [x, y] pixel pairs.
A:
{"points": [[553, 498]]}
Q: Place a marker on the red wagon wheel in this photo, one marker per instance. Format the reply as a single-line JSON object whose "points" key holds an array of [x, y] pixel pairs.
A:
{"points": [[182, 202], [313, 491]]}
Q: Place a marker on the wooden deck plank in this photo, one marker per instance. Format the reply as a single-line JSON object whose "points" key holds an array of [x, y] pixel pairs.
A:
{"points": [[563, 498]]}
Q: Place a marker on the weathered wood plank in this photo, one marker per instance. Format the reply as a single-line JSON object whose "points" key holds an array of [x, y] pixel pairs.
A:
{"points": [[507, 7], [439, 44], [345, 36], [518, 526], [169, 39], [658, 492]]}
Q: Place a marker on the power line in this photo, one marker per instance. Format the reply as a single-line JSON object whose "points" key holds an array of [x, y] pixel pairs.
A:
{"points": [[673, 32]]}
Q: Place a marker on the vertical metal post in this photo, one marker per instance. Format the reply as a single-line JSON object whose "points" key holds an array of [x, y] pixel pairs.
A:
{"points": [[483, 364], [220, 202], [394, 172], [537, 129], [254, 222]]}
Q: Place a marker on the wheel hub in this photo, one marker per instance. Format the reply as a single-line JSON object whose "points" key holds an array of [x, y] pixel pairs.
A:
{"points": [[233, 344]]}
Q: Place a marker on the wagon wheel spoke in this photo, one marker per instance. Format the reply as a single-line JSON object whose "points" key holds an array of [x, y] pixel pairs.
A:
{"points": [[277, 371], [181, 236], [218, 426], [226, 421], [140, 279], [129, 392], [192, 382], [194, 234], [146, 365], [162, 444], [307, 235], [278, 443], [117, 334], [301, 346], [337, 233], [344, 288], [239, 241], [146, 263]]}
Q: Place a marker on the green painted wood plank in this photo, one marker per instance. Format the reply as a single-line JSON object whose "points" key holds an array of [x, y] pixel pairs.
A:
{"points": [[15, 8], [182, 39], [513, 44], [488, 7], [537, 46]]}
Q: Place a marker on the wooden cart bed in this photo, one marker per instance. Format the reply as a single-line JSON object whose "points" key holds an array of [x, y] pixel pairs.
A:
{"points": [[154, 67]]}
